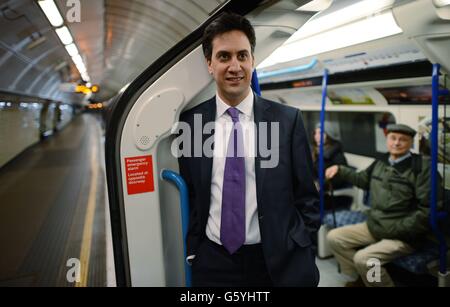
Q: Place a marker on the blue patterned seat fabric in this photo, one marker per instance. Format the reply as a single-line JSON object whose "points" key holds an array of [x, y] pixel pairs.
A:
{"points": [[414, 263], [417, 262], [343, 218]]}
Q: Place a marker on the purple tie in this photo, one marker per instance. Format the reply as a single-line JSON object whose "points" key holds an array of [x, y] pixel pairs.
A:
{"points": [[232, 228]]}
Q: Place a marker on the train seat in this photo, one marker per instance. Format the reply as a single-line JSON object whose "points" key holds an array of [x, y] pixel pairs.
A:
{"points": [[418, 261], [343, 218], [415, 263]]}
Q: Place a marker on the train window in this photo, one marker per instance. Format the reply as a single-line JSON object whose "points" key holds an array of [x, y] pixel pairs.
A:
{"points": [[411, 95], [361, 133]]}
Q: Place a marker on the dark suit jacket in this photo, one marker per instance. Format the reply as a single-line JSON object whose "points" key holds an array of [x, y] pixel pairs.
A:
{"points": [[288, 202]]}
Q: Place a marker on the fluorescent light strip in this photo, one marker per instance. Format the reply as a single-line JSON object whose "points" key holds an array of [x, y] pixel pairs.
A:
{"points": [[315, 5], [64, 35], [54, 17], [84, 74], [441, 3], [72, 49], [79, 63], [340, 17], [85, 77], [355, 33], [289, 70], [81, 68], [52, 12], [78, 60]]}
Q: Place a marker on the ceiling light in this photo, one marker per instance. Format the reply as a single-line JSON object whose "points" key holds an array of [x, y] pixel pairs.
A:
{"points": [[289, 70], [64, 35], [338, 15], [77, 59], [364, 30], [52, 12], [79, 63], [81, 68], [85, 78], [315, 5], [441, 3], [72, 49]]}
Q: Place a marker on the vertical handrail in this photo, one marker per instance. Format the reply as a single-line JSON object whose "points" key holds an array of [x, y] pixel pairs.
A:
{"points": [[321, 162], [434, 215], [184, 203]]}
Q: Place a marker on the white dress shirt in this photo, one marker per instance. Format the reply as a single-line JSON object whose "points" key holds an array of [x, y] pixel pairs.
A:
{"points": [[223, 126]]}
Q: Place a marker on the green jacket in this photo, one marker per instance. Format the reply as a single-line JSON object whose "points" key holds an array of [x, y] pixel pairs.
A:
{"points": [[399, 197]]}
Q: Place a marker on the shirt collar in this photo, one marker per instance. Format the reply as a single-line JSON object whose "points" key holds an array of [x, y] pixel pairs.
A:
{"points": [[398, 160], [245, 106]]}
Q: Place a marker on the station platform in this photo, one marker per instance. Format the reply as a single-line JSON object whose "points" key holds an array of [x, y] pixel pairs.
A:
{"points": [[53, 211]]}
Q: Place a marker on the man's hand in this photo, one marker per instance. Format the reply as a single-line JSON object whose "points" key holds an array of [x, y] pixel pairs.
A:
{"points": [[331, 171]]}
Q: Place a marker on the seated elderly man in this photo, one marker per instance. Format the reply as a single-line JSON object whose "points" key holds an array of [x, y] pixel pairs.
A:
{"points": [[397, 223]]}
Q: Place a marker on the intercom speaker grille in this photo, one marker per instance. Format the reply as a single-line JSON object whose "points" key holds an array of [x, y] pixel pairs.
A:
{"points": [[145, 140]]}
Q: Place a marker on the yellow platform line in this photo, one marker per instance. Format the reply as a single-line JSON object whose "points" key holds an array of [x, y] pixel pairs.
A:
{"points": [[89, 219]]}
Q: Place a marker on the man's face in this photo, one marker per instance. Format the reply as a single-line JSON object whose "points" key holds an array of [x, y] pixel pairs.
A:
{"points": [[231, 66], [398, 144]]}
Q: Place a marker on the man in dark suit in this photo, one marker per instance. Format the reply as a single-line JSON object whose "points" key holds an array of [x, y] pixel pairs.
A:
{"points": [[254, 217]]}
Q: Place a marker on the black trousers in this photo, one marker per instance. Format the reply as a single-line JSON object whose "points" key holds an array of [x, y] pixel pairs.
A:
{"points": [[213, 266]]}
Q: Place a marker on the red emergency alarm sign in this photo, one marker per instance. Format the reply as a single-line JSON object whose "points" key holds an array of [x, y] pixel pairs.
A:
{"points": [[139, 172]]}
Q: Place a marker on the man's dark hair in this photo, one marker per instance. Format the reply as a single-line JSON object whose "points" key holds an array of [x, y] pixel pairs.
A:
{"points": [[225, 23]]}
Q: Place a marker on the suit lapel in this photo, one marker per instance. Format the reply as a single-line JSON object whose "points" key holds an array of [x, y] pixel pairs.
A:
{"points": [[261, 114], [208, 115]]}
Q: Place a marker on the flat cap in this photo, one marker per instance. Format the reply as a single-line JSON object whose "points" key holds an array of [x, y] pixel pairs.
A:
{"points": [[401, 128]]}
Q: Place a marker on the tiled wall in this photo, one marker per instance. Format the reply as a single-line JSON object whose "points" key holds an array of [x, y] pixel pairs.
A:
{"points": [[66, 115], [19, 128], [20, 125]]}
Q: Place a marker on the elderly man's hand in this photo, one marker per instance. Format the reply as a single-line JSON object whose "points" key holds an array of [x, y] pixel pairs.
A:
{"points": [[331, 171]]}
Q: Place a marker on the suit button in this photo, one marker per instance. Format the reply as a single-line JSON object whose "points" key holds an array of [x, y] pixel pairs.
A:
{"points": [[260, 217]]}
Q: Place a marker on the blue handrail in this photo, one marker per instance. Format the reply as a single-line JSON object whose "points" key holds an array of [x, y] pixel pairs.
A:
{"points": [[255, 83], [322, 127], [289, 70], [434, 214], [184, 196]]}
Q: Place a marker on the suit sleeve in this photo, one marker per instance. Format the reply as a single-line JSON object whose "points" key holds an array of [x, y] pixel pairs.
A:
{"points": [[306, 195], [193, 234]]}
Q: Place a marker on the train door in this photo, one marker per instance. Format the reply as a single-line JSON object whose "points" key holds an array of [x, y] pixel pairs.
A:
{"points": [[145, 210]]}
